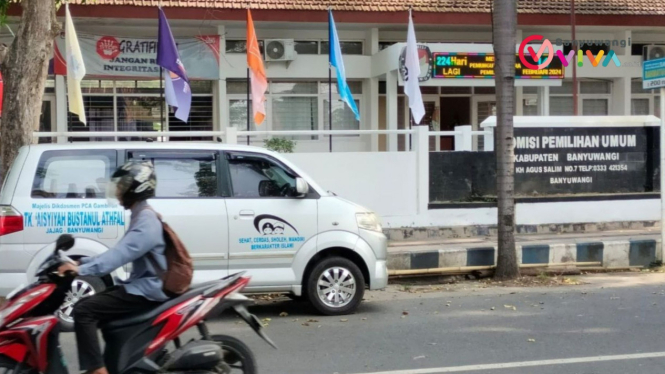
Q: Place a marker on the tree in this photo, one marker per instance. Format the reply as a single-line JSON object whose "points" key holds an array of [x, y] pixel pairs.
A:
{"points": [[24, 66], [504, 24]]}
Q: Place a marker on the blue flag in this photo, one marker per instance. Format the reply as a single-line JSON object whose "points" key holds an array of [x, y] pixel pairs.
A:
{"points": [[176, 90], [335, 55]]}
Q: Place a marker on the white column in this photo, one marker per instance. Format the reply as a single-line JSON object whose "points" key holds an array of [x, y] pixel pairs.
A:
{"points": [[371, 91], [421, 147], [519, 105], [544, 101], [391, 109], [60, 107], [624, 35], [371, 95], [464, 140], [221, 102], [231, 135], [372, 39], [489, 138], [620, 105]]}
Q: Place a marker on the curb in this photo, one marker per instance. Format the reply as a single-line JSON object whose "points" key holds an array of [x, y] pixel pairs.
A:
{"points": [[609, 254], [406, 234]]}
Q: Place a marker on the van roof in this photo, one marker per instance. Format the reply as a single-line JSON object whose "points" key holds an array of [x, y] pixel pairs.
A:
{"points": [[147, 145]]}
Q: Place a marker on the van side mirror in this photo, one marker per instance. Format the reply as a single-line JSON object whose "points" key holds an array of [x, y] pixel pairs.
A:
{"points": [[302, 187]]}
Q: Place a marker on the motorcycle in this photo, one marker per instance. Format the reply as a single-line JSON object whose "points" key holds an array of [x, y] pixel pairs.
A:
{"points": [[29, 334]]}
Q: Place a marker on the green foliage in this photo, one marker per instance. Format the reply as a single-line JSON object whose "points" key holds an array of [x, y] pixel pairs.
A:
{"points": [[280, 145]]}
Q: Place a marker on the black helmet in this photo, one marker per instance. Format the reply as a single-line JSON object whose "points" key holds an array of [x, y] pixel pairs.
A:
{"points": [[133, 182]]}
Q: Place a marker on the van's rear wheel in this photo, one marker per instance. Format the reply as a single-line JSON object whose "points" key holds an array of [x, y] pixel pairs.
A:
{"points": [[335, 286], [82, 287]]}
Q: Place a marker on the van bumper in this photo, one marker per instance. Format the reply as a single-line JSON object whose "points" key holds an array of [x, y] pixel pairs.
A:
{"points": [[375, 246], [379, 278]]}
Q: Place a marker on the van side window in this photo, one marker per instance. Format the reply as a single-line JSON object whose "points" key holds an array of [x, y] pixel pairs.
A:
{"points": [[254, 176], [73, 174], [183, 176]]}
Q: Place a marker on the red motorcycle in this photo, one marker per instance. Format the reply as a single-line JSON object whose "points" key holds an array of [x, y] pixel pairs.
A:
{"points": [[29, 334]]}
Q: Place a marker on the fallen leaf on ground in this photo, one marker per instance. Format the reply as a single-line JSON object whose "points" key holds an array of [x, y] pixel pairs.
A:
{"points": [[405, 313], [312, 320], [305, 324], [283, 314], [532, 340], [419, 357], [266, 320], [402, 317], [364, 319], [344, 320], [492, 308]]}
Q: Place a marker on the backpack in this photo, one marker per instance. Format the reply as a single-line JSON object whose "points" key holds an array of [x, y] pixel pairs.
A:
{"points": [[177, 277]]}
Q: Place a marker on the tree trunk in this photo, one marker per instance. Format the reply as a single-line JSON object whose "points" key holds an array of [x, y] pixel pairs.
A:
{"points": [[24, 69], [504, 24]]}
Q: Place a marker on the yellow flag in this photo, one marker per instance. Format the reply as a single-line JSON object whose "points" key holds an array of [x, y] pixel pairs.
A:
{"points": [[75, 68]]}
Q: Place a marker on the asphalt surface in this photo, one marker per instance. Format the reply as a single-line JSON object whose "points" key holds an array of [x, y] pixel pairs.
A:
{"points": [[611, 324]]}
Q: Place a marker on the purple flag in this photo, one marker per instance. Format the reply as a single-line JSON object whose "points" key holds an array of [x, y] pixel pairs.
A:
{"points": [[177, 91]]}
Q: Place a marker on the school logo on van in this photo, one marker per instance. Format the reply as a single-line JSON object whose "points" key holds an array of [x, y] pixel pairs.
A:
{"points": [[267, 224]]}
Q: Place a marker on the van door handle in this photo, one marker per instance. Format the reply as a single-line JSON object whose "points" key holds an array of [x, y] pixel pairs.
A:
{"points": [[246, 213]]}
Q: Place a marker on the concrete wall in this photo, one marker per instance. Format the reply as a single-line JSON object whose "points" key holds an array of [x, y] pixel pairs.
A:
{"points": [[383, 182]]}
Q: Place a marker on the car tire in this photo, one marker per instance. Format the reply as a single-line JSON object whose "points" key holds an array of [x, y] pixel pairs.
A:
{"points": [[82, 287], [335, 286]]}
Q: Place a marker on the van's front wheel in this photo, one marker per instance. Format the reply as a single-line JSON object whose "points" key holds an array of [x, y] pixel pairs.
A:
{"points": [[82, 287], [335, 286]]}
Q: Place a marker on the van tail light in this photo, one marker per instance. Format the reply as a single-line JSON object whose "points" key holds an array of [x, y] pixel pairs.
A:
{"points": [[11, 220]]}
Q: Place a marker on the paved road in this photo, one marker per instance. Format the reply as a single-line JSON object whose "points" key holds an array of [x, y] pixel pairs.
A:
{"points": [[611, 325]]}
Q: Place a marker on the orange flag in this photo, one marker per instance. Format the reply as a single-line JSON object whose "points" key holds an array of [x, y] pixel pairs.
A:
{"points": [[257, 72]]}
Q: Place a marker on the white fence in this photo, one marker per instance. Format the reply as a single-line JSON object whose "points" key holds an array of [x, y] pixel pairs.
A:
{"points": [[396, 184], [463, 135]]}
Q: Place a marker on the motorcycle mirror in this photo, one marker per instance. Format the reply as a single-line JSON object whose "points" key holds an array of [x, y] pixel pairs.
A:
{"points": [[64, 243]]}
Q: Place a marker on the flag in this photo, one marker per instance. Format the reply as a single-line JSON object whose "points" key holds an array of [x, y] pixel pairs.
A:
{"points": [[176, 85], [257, 73], [335, 55], [412, 72], [75, 68]]}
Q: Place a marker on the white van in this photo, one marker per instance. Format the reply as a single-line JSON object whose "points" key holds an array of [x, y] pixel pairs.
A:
{"points": [[236, 208]]}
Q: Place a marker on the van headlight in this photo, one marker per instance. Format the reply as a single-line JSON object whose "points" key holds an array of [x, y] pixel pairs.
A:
{"points": [[368, 221]]}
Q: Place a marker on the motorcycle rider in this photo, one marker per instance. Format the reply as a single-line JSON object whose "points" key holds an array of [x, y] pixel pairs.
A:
{"points": [[132, 184]]}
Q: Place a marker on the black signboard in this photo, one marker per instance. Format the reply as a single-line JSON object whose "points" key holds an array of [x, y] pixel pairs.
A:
{"points": [[481, 65], [574, 160]]}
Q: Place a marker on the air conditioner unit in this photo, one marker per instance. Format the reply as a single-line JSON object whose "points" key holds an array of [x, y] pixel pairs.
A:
{"points": [[653, 52], [280, 50]]}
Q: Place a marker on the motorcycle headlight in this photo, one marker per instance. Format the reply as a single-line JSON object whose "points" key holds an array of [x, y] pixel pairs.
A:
{"points": [[368, 221]]}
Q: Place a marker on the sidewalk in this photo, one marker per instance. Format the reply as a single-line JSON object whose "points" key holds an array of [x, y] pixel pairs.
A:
{"points": [[607, 249]]}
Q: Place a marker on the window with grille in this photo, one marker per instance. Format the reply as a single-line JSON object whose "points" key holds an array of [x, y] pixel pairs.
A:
{"points": [[138, 105]]}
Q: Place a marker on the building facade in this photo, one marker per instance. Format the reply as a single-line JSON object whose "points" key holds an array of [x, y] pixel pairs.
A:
{"points": [[372, 35]]}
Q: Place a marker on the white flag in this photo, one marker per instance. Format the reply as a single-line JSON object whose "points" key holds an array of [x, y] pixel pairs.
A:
{"points": [[75, 68], [412, 65]]}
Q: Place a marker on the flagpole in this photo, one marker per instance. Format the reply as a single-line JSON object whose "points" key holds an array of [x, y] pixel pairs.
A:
{"points": [[248, 109], [161, 97], [330, 49]]}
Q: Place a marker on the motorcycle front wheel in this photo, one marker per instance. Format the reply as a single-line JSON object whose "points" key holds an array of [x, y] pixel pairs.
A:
{"points": [[237, 355], [9, 366]]}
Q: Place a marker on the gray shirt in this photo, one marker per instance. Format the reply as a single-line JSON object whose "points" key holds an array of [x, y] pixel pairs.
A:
{"points": [[145, 235]]}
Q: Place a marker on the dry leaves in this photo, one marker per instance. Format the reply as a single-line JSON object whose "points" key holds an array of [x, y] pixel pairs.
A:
{"points": [[284, 314]]}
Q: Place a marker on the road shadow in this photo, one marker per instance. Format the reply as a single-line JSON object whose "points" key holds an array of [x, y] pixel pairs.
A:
{"points": [[292, 308]]}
